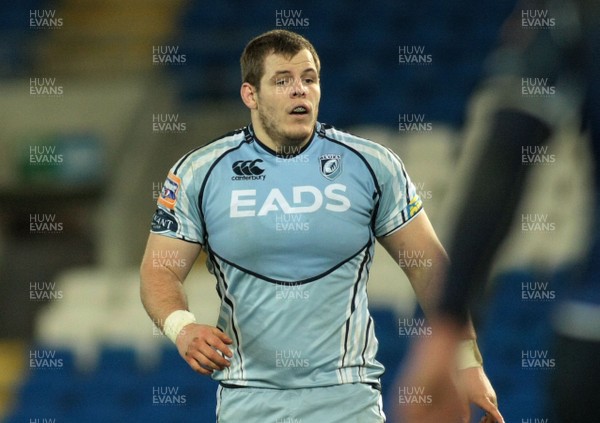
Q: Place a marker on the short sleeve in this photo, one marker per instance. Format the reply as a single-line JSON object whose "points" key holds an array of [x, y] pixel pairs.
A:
{"points": [[398, 201], [178, 212]]}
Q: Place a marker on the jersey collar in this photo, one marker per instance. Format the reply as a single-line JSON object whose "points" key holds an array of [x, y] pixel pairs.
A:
{"points": [[251, 136]]}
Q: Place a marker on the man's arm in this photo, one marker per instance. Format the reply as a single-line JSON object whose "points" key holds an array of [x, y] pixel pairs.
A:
{"points": [[418, 239], [162, 293]]}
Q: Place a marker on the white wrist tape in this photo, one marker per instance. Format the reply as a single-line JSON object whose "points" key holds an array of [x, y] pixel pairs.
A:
{"points": [[468, 355], [176, 321]]}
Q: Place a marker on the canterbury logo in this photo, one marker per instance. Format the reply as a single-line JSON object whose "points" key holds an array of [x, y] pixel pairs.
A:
{"points": [[247, 167]]}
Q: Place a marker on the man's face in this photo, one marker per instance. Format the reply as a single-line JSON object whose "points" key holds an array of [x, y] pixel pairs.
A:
{"points": [[287, 103]]}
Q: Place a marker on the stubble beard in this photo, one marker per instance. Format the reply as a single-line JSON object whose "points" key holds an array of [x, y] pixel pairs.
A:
{"points": [[277, 135]]}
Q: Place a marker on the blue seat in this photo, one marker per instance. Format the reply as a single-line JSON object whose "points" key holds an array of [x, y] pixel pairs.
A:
{"points": [[121, 360]]}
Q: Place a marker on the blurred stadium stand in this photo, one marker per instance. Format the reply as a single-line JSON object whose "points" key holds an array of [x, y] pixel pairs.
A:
{"points": [[111, 355]]}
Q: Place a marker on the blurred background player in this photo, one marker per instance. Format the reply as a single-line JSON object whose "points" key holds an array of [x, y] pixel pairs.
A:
{"points": [[568, 57]]}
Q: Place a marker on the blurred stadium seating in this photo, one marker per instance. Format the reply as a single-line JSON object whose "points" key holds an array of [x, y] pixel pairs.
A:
{"points": [[111, 356]]}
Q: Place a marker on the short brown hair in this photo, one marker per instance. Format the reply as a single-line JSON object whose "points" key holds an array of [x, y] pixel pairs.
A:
{"points": [[277, 41]]}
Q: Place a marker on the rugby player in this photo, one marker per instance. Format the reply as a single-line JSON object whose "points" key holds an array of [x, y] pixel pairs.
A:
{"points": [[288, 210]]}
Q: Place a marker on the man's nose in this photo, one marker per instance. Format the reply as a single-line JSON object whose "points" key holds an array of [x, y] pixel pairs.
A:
{"points": [[298, 88]]}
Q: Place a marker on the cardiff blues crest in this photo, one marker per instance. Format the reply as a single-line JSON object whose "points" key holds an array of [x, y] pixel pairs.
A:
{"points": [[331, 165]]}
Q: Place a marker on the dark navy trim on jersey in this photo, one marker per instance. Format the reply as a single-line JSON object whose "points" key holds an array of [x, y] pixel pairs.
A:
{"points": [[179, 237], [210, 169], [282, 155], [375, 210], [230, 386], [377, 194], [183, 238], [407, 193], [227, 300], [401, 225], [353, 301], [360, 155], [300, 282], [184, 158], [362, 355]]}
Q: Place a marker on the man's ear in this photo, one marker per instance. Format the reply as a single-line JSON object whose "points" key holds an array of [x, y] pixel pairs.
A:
{"points": [[249, 93]]}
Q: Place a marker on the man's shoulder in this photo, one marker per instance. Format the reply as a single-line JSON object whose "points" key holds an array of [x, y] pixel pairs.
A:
{"points": [[370, 150], [208, 153]]}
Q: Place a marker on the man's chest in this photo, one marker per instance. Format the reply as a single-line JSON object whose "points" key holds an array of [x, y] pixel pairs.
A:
{"points": [[317, 208]]}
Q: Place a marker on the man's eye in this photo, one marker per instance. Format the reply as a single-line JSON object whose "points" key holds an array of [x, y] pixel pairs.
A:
{"points": [[283, 81], [309, 80]]}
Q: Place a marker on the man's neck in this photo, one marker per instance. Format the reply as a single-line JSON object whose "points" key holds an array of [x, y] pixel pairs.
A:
{"points": [[279, 145]]}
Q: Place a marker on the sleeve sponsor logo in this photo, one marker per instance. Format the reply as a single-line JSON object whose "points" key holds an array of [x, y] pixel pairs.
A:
{"points": [[163, 221], [168, 195], [415, 205]]}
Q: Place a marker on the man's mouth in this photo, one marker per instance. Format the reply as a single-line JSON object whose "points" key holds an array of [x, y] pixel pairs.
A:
{"points": [[300, 110]]}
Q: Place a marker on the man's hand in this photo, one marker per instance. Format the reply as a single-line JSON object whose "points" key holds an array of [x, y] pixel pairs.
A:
{"points": [[430, 367], [479, 391], [204, 348]]}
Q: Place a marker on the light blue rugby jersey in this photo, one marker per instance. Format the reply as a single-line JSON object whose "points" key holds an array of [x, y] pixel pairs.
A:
{"points": [[290, 239]]}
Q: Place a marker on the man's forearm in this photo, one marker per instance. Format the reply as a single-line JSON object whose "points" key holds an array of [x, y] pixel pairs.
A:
{"points": [[161, 293], [426, 275], [161, 282], [428, 284]]}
